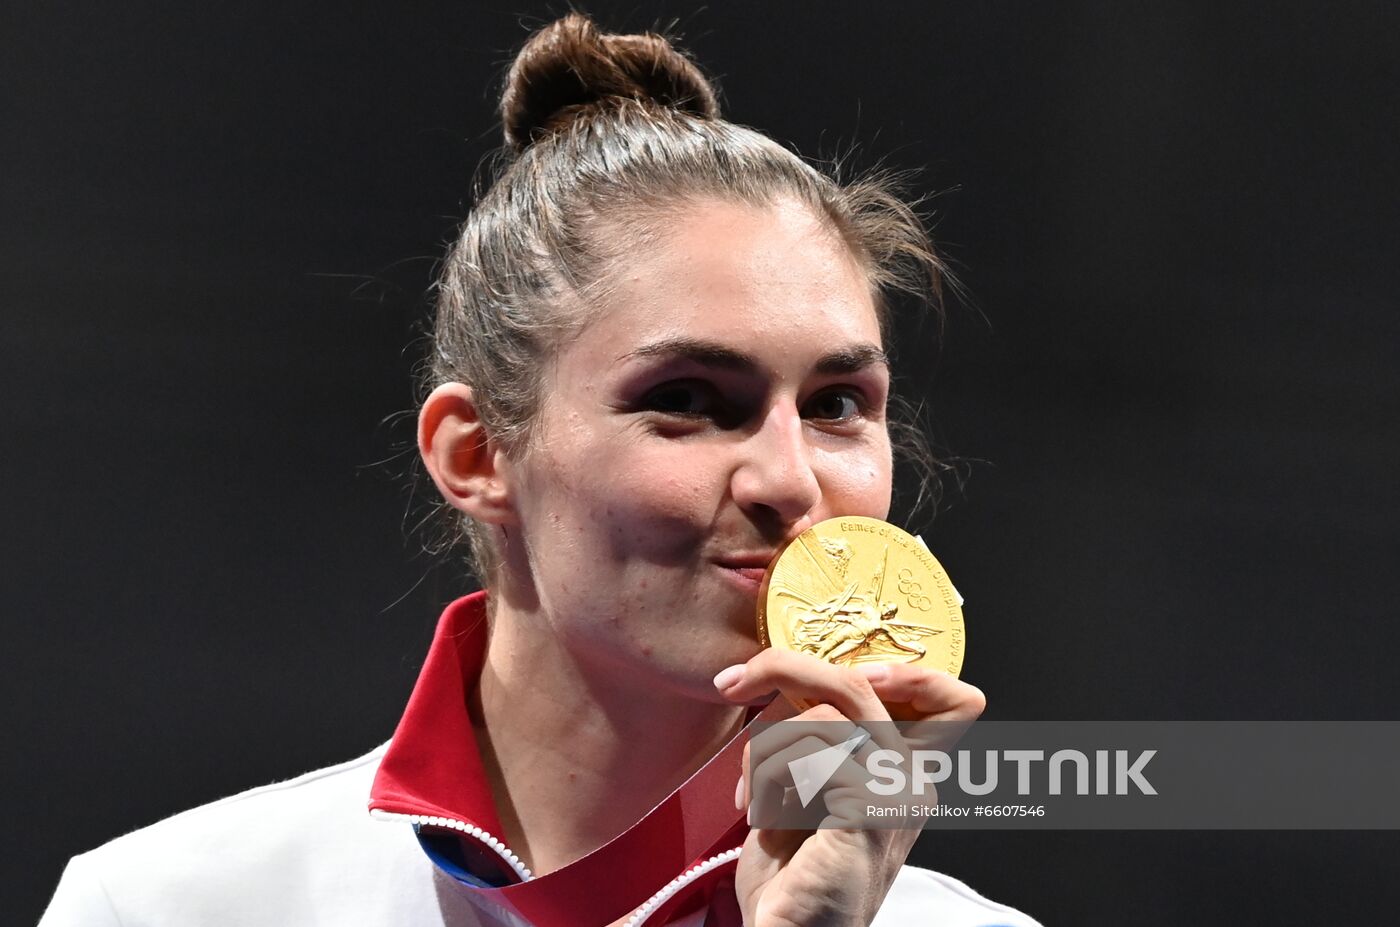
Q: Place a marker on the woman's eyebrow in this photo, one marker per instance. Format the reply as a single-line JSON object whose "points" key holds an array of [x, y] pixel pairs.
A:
{"points": [[852, 358], [705, 353], [846, 359]]}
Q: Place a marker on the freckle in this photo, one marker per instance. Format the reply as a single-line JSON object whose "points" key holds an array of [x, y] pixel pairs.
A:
{"points": [[573, 776]]}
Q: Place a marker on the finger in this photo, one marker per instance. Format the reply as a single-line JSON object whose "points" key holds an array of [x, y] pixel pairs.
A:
{"points": [[777, 765], [827, 721], [802, 678], [930, 692], [788, 789], [767, 781], [826, 724], [821, 721], [785, 768], [741, 789], [820, 724]]}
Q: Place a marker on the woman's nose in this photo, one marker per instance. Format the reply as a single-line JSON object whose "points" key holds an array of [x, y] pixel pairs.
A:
{"points": [[775, 480]]}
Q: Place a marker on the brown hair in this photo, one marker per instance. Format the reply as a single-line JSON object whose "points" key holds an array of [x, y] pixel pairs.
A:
{"points": [[606, 136]]}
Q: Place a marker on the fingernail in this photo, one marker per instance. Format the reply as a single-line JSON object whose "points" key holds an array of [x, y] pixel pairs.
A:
{"points": [[875, 672], [739, 795], [729, 676]]}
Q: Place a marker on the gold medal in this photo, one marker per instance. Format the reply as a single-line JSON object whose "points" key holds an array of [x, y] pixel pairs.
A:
{"points": [[856, 590]]}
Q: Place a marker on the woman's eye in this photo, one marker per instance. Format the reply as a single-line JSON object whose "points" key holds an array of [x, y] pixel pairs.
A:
{"points": [[836, 405], [682, 398]]}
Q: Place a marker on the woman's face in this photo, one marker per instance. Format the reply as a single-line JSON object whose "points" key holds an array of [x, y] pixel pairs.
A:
{"points": [[730, 394]]}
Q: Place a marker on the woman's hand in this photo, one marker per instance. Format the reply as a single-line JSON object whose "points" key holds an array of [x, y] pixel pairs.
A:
{"points": [[835, 876]]}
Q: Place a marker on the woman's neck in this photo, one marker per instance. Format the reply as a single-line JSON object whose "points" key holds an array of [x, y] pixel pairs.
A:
{"points": [[575, 758]]}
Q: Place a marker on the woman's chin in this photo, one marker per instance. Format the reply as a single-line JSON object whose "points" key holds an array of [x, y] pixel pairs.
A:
{"points": [[694, 664]]}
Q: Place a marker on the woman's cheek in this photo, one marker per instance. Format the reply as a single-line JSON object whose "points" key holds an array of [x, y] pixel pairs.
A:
{"points": [[662, 508], [859, 482]]}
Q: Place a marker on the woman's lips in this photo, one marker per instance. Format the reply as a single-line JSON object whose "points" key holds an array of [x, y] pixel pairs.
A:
{"points": [[747, 578]]}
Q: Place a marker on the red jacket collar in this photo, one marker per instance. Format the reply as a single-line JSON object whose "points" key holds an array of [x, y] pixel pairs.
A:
{"points": [[433, 768], [433, 765]]}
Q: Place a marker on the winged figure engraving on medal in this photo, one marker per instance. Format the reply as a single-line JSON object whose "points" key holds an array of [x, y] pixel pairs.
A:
{"points": [[838, 621]]}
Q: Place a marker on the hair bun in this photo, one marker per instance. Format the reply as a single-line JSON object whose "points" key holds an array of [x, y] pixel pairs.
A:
{"points": [[569, 64]]}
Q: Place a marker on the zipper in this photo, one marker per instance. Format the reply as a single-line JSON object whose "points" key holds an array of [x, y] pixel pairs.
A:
{"points": [[652, 904], [470, 830], [679, 882]]}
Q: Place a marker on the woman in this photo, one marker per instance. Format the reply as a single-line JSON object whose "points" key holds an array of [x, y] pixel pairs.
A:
{"points": [[658, 356]]}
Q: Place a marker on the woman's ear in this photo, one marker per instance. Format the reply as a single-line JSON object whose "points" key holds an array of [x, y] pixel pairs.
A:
{"points": [[463, 460]]}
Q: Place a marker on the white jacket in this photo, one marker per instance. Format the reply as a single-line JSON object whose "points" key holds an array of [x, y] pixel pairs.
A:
{"points": [[307, 851]]}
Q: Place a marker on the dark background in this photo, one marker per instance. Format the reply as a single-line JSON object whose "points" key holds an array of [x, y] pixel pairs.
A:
{"points": [[1179, 415]]}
